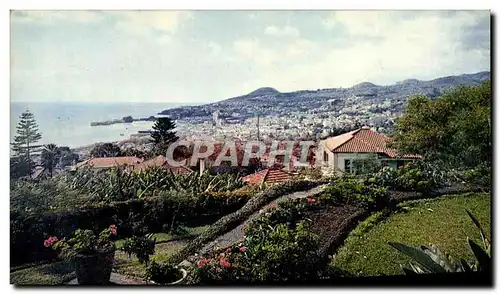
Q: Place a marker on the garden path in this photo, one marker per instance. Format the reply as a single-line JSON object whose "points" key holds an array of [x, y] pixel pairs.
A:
{"points": [[237, 234]]}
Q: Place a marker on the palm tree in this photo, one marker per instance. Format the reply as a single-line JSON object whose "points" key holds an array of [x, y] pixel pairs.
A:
{"points": [[50, 157]]}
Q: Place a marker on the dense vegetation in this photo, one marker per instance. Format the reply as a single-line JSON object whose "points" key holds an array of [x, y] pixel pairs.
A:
{"points": [[152, 200]]}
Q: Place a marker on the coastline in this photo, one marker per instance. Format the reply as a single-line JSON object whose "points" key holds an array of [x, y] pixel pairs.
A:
{"points": [[139, 142]]}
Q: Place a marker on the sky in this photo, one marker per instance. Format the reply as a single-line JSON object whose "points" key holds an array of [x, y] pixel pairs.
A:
{"points": [[206, 56]]}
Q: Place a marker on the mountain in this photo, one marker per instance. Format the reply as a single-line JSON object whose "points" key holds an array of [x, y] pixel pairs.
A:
{"points": [[269, 101]]}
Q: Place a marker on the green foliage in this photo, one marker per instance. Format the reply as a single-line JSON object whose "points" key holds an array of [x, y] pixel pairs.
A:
{"points": [[481, 175], [128, 119], [67, 157], [283, 252], [21, 166], [27, 135], [163, 273], [432, 260], [24, 145], [163, 134], [141, 246], [105, 150], [51, 155], [83, 242], [347, 190], [231, 220], [438, 128], [309, 174], [419, 176]]}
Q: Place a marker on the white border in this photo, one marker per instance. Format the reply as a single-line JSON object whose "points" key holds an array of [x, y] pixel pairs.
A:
{"points": [[199, 5]]}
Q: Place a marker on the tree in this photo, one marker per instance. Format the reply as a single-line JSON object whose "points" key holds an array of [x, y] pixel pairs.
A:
{"points": [[134, 152], [67, 157], [26, 138], [105, 150], [163, 134], [21, 166], [51, 156], [455, 128], [128, 119]]}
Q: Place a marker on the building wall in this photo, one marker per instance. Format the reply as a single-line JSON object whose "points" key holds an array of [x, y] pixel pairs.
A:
{"points": [[341, 157]]}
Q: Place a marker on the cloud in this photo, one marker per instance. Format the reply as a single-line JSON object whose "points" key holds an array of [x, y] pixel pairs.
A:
{"points": [[286, 31], [160, 55], [143, 22], [253, 51], [55, 16]]}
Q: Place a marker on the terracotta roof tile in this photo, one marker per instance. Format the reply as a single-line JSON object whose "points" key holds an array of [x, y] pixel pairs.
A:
{"points": [[268, 176], [364, 140], [108, 162]]}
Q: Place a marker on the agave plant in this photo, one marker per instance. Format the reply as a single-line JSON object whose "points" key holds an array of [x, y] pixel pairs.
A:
{"points": [[432, 260]]}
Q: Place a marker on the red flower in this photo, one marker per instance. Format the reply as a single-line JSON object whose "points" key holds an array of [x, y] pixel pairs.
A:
{"points": [[310, 200], [228, 250], [243, 249], [50, 241], [224, 263], [112, 228], [203, 262]]}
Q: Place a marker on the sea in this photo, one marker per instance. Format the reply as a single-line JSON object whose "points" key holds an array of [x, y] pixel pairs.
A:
{"points": [[68, 123]]}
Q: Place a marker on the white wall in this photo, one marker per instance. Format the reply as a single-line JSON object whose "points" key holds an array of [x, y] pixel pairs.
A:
{"points": [[341, 157]]}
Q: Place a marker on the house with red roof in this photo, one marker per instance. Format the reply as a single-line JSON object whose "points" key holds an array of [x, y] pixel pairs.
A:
{"points": [[341, 152], [161, 161], [109, 162], [267, 176]]}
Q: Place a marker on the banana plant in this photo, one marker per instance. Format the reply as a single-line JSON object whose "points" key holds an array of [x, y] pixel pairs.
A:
{"points": [[432, 260]]}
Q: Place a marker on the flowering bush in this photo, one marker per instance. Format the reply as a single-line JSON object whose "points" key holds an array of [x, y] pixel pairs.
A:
{"points": [[83, 242], [227, 265]]}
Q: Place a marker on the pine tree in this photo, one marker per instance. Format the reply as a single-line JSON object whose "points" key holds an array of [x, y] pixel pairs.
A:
{"points": [[27, 137], [162, 133]]}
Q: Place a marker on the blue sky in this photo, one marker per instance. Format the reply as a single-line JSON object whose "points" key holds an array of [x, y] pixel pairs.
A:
{"points": [[205, 56]]}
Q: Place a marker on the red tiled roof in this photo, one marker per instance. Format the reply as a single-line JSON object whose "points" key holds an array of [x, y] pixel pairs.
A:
{"points": [[161, 161], [268, 176], [108, 162], [364, 140]]}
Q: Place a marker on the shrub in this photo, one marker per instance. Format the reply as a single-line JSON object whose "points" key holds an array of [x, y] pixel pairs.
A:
{"points": [[83, 242], [163, 273], [421, 176], [347, 190], [480, 176], [141, 246]]}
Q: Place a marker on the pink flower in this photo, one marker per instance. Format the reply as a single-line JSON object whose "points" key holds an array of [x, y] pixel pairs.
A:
{"points": [[50, 241], [226, 264], [310, 200], [228, 250], [219, 270], [112, 228], [203, 262], [243, 249]]}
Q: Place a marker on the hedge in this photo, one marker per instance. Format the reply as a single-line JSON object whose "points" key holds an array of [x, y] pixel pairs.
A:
{"points": [[152, 214]]}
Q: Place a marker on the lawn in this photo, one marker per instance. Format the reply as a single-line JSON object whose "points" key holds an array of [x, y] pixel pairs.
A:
{"points": [[46, 274], [441, 221]]}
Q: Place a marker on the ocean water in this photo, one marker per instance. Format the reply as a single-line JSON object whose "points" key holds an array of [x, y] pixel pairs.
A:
{"points": [[68, 123]]}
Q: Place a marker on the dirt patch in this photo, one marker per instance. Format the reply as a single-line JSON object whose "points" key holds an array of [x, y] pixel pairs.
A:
{"points": [[333, 224]]}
